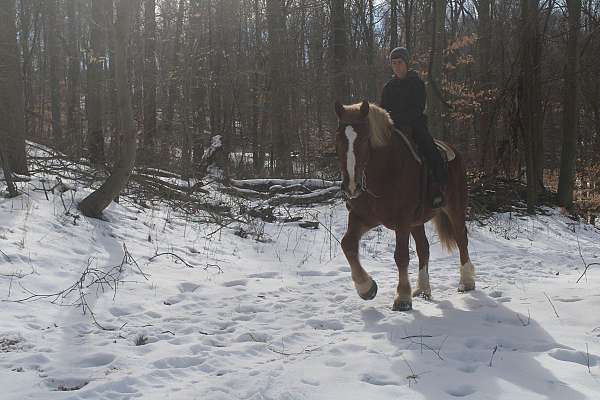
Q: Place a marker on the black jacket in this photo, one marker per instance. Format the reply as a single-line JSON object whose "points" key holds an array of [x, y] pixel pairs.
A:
{"points": [[404, 99]]}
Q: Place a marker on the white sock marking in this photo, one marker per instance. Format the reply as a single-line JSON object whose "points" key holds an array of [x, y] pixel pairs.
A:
{"points": [[351, 158]]}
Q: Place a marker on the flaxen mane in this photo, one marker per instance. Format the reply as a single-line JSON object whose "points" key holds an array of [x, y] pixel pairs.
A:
{"points": [[379, 121]]}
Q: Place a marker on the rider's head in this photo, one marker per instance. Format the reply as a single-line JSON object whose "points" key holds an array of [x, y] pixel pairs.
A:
{"points": [[399, 61]]}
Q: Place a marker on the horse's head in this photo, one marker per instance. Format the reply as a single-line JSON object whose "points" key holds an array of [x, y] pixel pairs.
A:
{"points": [[352, 146]]}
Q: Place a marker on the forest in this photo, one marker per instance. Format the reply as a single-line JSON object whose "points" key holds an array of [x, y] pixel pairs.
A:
{"points": [[512, 84]]}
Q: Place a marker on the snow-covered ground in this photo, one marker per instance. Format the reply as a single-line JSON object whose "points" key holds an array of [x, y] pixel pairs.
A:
{"points": [[279, 318]]}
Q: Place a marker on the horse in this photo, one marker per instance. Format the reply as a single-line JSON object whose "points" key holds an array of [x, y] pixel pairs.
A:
{"points": [[383, 185]]}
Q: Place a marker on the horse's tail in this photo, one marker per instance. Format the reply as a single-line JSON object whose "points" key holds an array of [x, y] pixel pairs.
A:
{"points": [[445, 231]]}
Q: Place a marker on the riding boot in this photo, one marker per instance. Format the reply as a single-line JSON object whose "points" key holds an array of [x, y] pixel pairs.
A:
{"points": [[434, 160]]}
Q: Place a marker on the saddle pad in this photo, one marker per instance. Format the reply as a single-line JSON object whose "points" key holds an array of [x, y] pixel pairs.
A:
{"points": [[443, 147]]}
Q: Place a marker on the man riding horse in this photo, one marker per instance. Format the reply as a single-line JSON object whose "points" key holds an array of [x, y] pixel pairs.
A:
{"points": [[404, 97]]}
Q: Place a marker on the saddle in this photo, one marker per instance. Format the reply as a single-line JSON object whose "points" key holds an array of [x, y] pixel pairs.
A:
{"points": [[429, 188]]}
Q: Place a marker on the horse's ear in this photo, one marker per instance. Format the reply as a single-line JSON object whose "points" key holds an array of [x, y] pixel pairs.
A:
{"points": [[339, 109], [364, 108]]}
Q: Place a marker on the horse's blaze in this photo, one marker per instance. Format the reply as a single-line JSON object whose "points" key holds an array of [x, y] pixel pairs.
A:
{"points": [[351, 159]]}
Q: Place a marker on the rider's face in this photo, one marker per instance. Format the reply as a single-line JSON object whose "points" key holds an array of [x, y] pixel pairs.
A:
{"points": [[399, 67]]}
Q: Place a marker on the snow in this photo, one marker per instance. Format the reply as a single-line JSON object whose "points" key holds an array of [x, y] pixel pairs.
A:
{"points": [[279, 318]]}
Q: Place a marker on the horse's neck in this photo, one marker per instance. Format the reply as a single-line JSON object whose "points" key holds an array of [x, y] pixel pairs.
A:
{"points": [[391, 166]]}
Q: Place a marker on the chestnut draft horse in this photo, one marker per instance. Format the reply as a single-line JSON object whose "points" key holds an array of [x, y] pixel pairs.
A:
{"points": [[383, 182]]}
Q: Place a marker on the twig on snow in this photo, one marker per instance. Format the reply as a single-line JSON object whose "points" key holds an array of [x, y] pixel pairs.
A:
{"points": [[493, 353], [552, 304]]}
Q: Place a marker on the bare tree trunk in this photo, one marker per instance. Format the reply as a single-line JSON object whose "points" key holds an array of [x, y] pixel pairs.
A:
{"points": [[53, 57], [149, 83], [529, 95], [96, 202], [95, 62], [173, 78], [393, 24], [338, 59], [277, 88], [435, 107], [408, 17], [486, 129], [12, 118], [258, 153], [73, 99], [570, 113]]}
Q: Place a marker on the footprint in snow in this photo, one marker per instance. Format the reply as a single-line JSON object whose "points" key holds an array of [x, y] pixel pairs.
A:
{"points": [[461, 391], [334, 363], [378, 380], [187, 287], [178, 362], [311, 382], [264, 275], [578, 357], [96, 360], [333, 325], [569, 300], [238, 282]]}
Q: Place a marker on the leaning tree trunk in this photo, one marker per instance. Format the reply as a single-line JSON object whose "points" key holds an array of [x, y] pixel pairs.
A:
{"points": [[95, 203], [568, 153], [12, 112]]}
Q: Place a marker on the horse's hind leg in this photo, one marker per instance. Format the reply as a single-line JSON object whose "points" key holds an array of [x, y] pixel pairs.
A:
{"points": [[364, 284], [403, 300], [422, 245], [467, 270]]}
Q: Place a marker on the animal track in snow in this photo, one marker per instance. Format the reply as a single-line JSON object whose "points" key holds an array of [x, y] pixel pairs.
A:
{"points": [[239, 282], [178, 362]]}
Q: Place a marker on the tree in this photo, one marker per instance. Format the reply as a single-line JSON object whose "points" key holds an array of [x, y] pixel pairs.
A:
{"points": [[338, 56], [12, 118], [73, 74], [529, 94], [435, 106], [52, 50], [97, 201], [393, 24], [94, 104], [278, 88], [570, 112], [149, 80], [484, 45]]}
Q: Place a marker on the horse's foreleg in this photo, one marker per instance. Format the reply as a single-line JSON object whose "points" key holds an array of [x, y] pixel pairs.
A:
{"points": [[403, 300], [364, 284], [422, 245]]}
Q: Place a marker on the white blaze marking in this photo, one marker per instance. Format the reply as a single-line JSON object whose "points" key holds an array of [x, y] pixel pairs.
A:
{"points": [[350, 158]]}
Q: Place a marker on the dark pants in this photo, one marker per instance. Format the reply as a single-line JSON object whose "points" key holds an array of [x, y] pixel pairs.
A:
{"points": [[429, 151]]}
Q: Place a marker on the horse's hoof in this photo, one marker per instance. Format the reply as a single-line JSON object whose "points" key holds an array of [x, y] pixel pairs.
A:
{"points": [[466, 287], [425, 294], [402, 306], [370, 295]]}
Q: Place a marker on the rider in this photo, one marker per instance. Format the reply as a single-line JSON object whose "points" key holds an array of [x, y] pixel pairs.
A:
{"points": [[404, 99]]}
